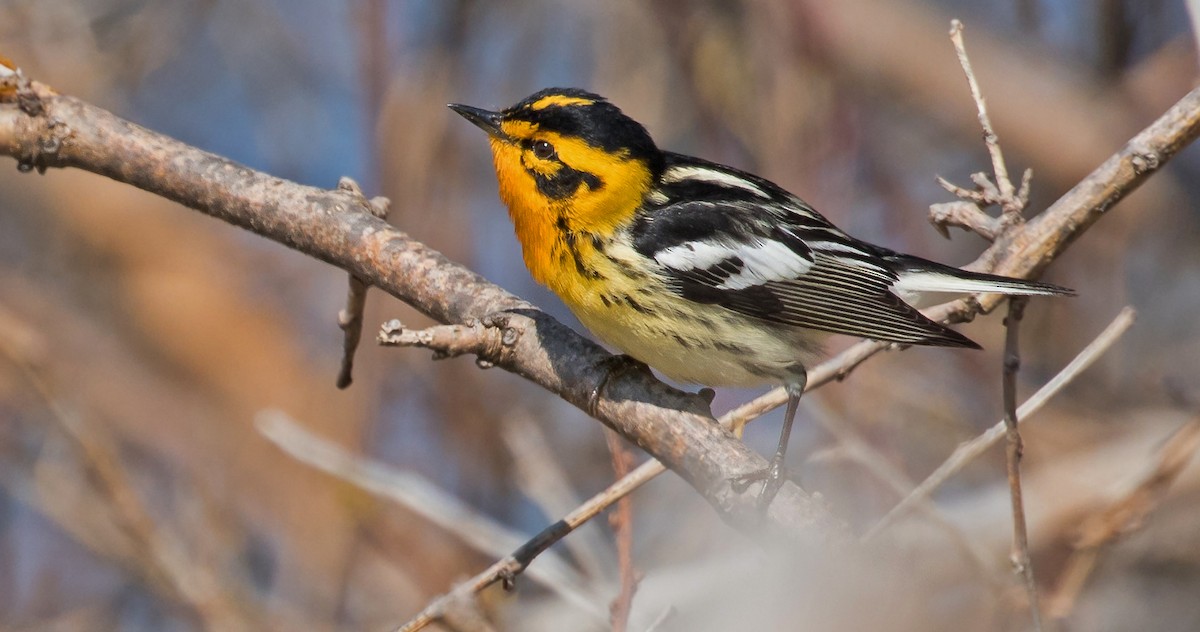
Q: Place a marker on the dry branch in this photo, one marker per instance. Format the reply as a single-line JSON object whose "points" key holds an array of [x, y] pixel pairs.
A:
{"points": [[970, 450], [621, 521], [1022, 564], [1125, 515], [42, 129], [425, 499], [1012, 202], [350, 318]]}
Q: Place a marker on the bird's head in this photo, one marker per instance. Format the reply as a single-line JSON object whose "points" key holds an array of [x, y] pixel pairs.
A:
{"points": [[567, 155]]}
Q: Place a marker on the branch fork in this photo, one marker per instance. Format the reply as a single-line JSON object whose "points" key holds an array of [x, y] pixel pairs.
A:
{"points": [[350, 318], [490, 339], [968, 213]]}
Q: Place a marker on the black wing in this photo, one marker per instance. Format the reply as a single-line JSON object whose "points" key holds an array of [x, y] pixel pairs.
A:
{"points": [[727, 238]]}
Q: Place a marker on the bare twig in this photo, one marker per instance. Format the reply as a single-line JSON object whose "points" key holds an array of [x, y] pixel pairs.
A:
{"points": [[488, 339], [962, 214], [541, 476], [1123, 516], [350, 318], [1007, 196], [508, 568], [833, 370], [1022, 564], [622, 525], [969, 451], [414, 492]]}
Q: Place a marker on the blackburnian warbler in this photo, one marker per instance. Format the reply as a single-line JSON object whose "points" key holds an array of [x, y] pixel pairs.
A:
{"points": [[709, 274]]}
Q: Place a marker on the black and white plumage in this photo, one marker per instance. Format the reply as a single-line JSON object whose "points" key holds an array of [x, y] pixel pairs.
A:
{"points": [[729, 238]]}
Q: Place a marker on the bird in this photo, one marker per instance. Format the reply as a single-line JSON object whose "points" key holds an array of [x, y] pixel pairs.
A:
{"points": [[706, 273]]}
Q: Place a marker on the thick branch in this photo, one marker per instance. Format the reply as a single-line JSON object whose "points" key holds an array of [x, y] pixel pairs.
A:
{"points": [[339, 228]]}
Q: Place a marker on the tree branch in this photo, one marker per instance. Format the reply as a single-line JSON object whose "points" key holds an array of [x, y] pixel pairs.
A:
{"points": [[42, 129]]}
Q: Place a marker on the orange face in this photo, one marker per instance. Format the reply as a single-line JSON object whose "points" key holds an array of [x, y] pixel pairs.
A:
{"points": [[556, 182]]}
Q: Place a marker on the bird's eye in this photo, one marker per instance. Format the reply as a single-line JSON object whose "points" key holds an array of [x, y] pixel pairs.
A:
{"points": [[543, 150]]}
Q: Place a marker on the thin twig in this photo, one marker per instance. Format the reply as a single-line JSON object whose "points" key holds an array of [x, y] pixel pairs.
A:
{"points": [[621, 521], [1007, 193], [542, 477], [963, 214], [969, 451], [1022, 564], [859, 451], [488, 339], [414, 492], [508, 568], [834, 369], [1123, 516], [350, 320]]}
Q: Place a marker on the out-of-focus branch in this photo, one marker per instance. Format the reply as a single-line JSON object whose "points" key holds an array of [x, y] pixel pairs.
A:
{"points": [[1022, 564], [154, 550], [621, 520], [970, 450], [422, 497], [1125, 515]]}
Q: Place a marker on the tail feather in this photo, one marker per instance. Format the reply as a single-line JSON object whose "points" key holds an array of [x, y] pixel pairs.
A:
{"points": [[916, 276]]}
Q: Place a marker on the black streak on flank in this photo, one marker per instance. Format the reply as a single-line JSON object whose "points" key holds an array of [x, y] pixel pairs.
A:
{"points": [[679, 340], [638, 307], [570, 239]]}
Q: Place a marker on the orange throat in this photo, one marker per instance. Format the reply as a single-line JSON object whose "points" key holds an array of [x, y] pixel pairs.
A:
{"points": [[532, 216], [557, 235]]}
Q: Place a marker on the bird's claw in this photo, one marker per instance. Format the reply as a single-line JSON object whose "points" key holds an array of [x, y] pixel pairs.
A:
{"points": [[772, 477]]}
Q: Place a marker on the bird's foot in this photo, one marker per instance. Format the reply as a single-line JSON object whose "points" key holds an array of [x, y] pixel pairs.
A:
{"points": [[772, 477]]}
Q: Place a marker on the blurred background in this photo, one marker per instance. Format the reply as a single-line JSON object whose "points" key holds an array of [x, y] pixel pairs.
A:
{"points": [[142, 344]]}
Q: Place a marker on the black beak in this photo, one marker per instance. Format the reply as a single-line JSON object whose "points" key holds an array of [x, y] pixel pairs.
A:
{"points": [[483, 119]]}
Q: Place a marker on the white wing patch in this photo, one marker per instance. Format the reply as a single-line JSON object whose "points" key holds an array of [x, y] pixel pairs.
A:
{"points": [[764, 262], [833, 247], [720, 178], [761, 261], [694, 255]]}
